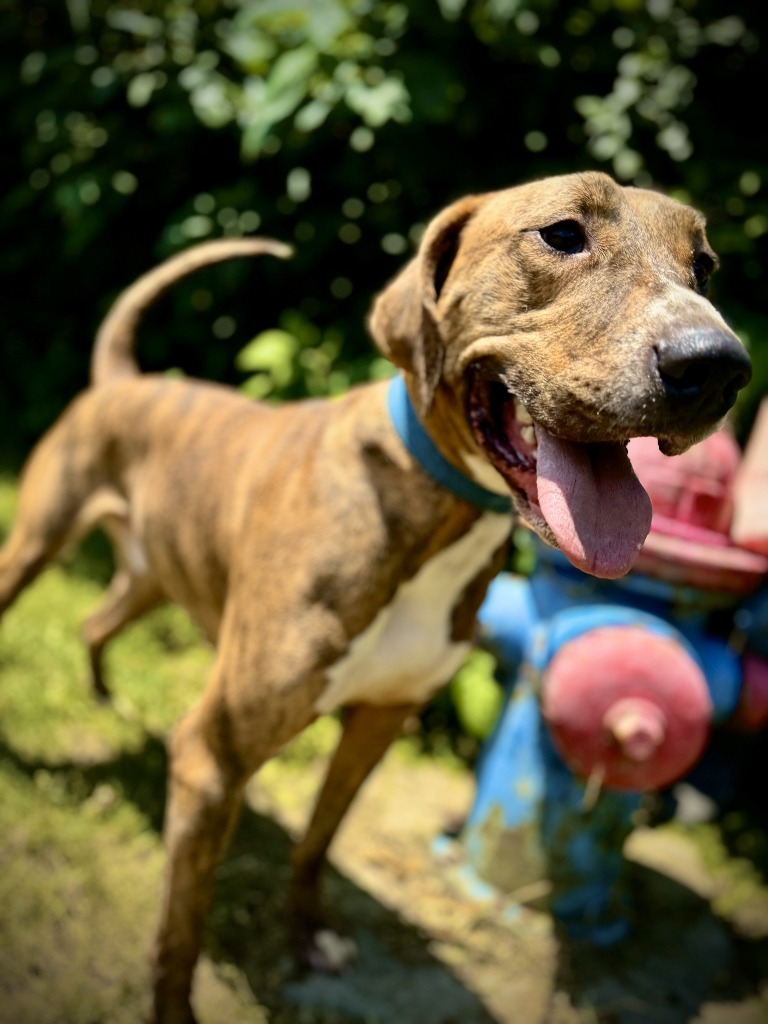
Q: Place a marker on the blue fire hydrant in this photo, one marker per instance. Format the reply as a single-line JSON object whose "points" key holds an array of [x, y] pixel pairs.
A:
{"points": [[613, 690]]}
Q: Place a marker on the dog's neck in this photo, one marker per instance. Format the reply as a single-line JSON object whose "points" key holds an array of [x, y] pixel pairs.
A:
{"points": [[414, 436]]}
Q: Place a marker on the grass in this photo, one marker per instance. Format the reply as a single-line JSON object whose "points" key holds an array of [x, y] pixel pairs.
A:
{"points": [[81, 802]]}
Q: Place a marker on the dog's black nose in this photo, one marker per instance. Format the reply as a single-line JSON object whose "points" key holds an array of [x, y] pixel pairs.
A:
{"points": [[706, 366]]}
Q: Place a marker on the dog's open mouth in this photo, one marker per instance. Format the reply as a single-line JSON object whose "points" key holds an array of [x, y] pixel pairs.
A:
{"points": [[583, 498]]}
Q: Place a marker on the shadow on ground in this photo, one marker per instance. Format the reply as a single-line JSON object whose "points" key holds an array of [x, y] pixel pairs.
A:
{"points": [[679, 958], [395, 978]]}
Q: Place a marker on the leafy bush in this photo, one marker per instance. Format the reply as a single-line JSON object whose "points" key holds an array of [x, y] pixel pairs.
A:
{"points": [[139, 128]]}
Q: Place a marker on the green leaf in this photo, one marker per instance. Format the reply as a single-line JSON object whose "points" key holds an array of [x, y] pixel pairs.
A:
{"points": [[476, 694], [273, 351], [284, 89], [388, 100], [312, 116]]}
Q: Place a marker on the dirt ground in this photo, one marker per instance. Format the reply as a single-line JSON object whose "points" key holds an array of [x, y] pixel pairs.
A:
{"points": [[79, 880], [429, 953]]}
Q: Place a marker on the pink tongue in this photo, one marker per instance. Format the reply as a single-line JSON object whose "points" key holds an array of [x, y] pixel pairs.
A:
{"points": [[593, 502]]}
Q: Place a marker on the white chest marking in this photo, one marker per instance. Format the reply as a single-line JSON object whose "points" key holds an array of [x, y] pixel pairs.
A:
{"points": [[407, 653]]}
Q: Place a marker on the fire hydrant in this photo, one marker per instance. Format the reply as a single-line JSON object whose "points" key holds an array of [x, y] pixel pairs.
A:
{"points": [[614, 689]]}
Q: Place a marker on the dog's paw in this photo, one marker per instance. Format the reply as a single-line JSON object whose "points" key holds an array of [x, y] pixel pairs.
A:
{"points": [[330, 952]]}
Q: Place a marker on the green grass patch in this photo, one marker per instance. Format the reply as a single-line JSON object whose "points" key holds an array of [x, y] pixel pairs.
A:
{"points": [[81, 801]]}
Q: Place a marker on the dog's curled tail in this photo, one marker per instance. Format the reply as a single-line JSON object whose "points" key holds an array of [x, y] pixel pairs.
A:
{"points": [[113, 353]]}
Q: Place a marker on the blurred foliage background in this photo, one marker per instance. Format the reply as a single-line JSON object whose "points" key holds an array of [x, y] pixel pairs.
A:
{"points": [[136, 128]]}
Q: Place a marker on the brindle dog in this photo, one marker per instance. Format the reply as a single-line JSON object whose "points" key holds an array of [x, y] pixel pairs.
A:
{"points": [[537, 329]]}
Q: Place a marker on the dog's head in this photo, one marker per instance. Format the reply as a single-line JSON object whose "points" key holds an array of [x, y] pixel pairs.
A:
{"points": [[541, 327]]}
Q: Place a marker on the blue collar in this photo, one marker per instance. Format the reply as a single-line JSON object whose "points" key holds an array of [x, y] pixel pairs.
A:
{"points": [[423, 449]]}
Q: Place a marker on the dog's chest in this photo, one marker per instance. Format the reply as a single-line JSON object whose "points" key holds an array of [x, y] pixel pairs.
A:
{"points": [[407, 653]]}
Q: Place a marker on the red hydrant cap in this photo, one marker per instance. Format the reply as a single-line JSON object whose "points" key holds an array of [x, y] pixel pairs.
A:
{"points": [[694, 488], [628, 706], [692, 501]]}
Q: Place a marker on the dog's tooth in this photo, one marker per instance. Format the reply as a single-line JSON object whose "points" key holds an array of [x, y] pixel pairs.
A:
{"points": [[528, 434], [522, 414]]}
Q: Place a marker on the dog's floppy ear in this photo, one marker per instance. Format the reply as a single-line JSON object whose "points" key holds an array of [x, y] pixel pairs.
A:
{"points": [[403, 321]]}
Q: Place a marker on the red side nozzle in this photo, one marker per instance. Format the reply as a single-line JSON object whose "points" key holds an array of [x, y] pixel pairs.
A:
{"points": [[628, 705]]}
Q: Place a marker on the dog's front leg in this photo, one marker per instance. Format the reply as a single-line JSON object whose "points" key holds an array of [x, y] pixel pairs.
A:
{"points": [[204, 797], [367, 733]]}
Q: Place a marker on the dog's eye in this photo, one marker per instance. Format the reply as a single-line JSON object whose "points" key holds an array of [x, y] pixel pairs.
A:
{"points": [[566, 236], [703, 267]]}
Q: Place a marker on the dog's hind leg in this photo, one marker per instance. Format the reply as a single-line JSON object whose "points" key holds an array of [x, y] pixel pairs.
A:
{"points": [[132, 592], [22, 558], [62, 497], [49, 503], [367, 733], [127, 599]]}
